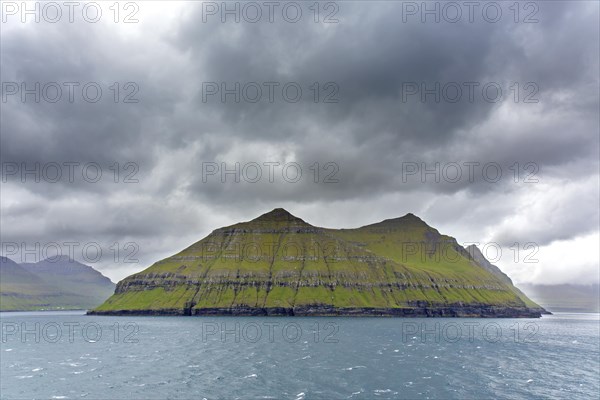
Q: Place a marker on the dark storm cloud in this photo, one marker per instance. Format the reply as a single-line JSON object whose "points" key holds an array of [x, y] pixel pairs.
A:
{"points": [[372, 135], [82, 131], [371, 57]]}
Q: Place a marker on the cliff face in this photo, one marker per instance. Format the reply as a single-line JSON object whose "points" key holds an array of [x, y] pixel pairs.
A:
{"points": [[277, 264]]}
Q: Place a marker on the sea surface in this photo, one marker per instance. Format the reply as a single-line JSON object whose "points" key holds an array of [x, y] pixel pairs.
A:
{"points": [[68, 355]]}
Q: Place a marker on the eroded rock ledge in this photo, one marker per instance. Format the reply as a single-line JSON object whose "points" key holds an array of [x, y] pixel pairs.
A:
{"points": [[478, 311]]}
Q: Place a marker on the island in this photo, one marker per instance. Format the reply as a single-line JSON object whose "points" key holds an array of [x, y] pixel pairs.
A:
{"points": [[280, 265]]}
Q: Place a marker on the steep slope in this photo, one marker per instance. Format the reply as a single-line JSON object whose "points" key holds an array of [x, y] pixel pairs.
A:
{"points": [[50, 286], [480, 259], [410, 241], [277, 264]]}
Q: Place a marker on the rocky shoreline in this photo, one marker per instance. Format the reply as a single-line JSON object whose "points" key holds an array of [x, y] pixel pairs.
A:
{"points": [[475, 311]]}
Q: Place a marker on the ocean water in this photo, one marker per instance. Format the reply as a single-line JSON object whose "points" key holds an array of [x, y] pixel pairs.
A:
{"points": [[68, 355]]}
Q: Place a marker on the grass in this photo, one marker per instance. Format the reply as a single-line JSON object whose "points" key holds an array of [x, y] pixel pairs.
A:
{"points": [[278, 260]]}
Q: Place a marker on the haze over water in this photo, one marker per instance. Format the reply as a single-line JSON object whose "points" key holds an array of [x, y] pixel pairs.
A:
{"points": [[70, 355]]}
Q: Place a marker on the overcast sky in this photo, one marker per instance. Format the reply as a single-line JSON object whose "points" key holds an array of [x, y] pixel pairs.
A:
{"points": [[396, 111]]}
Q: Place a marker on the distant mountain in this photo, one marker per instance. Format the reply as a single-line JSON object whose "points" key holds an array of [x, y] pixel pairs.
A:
{"points": [[561, 298], [51, 284], [566, 297], [72, 276], [277, 264]]}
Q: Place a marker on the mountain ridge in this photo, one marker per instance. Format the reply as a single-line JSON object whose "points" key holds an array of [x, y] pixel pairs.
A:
{"points": [[278, 264], [55, 283]]}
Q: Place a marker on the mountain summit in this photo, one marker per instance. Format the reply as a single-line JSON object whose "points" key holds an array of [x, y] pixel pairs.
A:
{"points": [[277, 264], [405, 221], [277, 215]]}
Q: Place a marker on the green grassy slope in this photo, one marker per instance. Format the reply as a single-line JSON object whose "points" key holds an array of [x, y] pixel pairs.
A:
{"points": [[410, 241], [278, 260], [480, 259]]}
